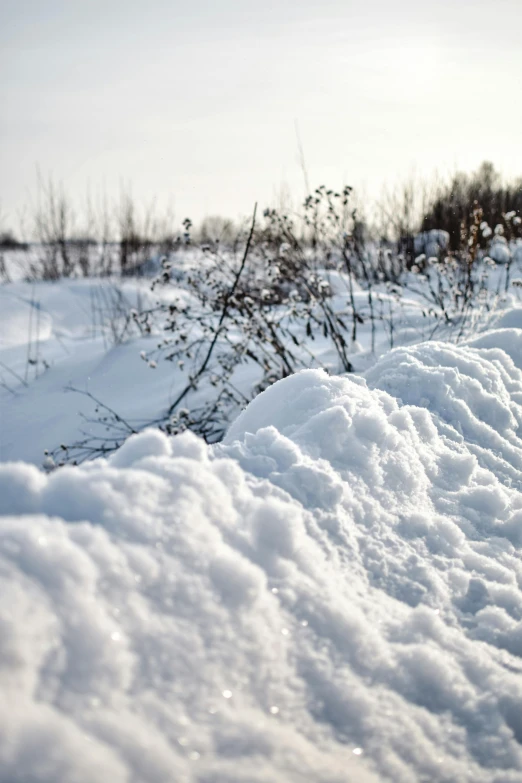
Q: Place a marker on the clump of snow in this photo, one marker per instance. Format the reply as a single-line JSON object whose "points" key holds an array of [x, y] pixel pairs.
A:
{"points": [[499, 250], [332, 594], [431, 243]]}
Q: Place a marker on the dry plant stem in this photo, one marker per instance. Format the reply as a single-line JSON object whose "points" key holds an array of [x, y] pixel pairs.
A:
{"points": [[348, 263], [13, 373], [100, 404], [369, 282], [224, 312], [8, 388], [29, 337]]}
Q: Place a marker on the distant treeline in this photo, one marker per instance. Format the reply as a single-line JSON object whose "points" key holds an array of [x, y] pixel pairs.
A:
{"points": [[451, 206], [120, 238]]}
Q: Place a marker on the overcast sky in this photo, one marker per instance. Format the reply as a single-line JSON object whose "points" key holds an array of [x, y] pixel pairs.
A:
{"points": [[198, 101]]}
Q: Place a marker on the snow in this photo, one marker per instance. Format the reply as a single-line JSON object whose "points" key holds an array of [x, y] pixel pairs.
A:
{"points": [[431, 243], [77, 335], [333, 593], [499, 250]]}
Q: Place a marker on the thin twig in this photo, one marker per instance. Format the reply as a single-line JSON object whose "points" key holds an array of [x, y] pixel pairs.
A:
{"points": [[13, 373], [8, 388], [98, 402]]}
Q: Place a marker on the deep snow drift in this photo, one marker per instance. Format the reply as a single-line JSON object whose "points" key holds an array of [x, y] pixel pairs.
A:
{"points": [[333, 594]]}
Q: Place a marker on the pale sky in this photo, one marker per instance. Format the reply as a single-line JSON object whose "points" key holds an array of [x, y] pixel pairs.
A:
{"points": [[197, 102]]}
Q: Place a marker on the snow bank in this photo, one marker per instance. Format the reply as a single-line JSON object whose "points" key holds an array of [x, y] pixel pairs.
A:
{"points": [[334, 594]]}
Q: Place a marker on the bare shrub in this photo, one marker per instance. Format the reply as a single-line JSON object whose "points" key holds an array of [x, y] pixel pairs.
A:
{"points": [[54, 224]]}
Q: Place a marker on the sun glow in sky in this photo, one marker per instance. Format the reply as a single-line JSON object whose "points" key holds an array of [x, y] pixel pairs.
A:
{"points": [[197, 103]]}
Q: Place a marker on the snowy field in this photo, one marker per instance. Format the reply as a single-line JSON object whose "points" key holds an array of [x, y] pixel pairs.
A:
{"points": [[76, 334], [332, 594], [67, 346]]}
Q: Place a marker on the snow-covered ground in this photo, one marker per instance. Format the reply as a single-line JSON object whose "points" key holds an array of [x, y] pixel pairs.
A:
{"points": [[72, 334], [78, 335], [332, 594]]}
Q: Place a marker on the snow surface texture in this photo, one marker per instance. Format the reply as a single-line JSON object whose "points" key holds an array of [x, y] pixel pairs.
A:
{"points": [[333, 594]]}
